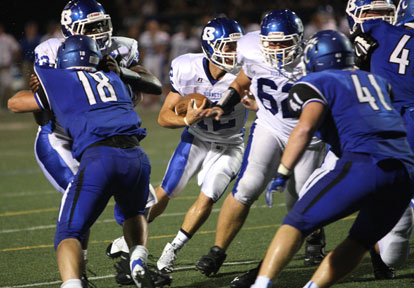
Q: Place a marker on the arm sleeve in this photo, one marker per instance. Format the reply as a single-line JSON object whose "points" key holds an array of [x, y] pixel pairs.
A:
{"points": [[41, 99], [41, 94], [300, 95]]}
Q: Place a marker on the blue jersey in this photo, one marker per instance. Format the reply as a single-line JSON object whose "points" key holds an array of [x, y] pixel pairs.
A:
{"points": [[394, 59], [90, 106], [359, 118]]}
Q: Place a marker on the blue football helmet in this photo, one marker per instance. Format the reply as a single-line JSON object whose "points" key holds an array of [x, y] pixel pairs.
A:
{"points": [[356, 10], [328, 49], [405, 14], [87, 17], [79, 52], [219, 43], [283, 27]]}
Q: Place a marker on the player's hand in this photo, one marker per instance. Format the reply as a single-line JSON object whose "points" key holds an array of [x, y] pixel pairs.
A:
{"points": [[34, 83], [214, 112], [364, 46], [195, 114], [275, 185], [248, 101], [108, 63]]}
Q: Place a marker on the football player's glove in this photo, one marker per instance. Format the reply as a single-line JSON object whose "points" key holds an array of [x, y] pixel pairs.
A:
{"points": [[364, 46], [275, 185], [108, 63]]}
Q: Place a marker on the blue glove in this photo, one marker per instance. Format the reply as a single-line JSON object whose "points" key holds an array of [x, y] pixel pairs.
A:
{"points": [[275, 185]]}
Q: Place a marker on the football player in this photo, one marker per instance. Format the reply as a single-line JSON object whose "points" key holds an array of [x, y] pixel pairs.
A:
{"points": [[53, 145], [352, 111], [270, 58], [105, 137], [211, 148], [383, 49]]}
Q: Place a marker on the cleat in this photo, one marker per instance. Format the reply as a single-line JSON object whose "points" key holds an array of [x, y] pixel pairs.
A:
{"points": [[315, 248], [381, 270], [123, 274], [246, 279], [141, 275], [123, 271], [211, 263], [160, 278], [115, 249], [167, 259]]}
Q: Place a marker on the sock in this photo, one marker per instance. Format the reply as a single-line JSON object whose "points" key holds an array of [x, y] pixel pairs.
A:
{"points": [[181, 239], [72, 283], [262, 282], [138, 255], [311, 284]]}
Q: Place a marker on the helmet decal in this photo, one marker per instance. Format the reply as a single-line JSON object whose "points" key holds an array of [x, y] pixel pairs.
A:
{"points": [[219, 42], [87, 17]]}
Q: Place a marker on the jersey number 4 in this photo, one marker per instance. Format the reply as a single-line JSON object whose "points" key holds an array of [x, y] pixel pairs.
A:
{"points": [[400, 55], [104, 88]]}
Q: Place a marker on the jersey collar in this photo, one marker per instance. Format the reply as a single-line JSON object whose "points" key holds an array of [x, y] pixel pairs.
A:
{"points": [[207, 71]]}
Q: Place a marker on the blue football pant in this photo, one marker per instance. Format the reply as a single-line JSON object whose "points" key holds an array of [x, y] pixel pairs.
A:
{"points": [[381, 192], [104, 172], [54, 157]]}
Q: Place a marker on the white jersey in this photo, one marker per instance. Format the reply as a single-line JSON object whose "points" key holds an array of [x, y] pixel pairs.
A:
{"points": [[190, 74], [269, 86], [127, 48], [46, 52]]}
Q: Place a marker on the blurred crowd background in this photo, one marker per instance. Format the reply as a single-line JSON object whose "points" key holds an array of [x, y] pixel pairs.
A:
{"points": [[164, 30]]}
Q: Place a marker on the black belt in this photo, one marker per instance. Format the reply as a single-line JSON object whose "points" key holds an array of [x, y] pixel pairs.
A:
{"points": [[118, 141]]}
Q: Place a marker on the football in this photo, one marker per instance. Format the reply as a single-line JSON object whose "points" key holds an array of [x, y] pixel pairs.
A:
{"points": [[182, 105]]}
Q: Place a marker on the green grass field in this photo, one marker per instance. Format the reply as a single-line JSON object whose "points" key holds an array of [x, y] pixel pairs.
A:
{"points": [[29, 207]]}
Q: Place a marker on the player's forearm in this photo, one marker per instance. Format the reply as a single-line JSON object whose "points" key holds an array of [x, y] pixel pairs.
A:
{"points": [[23, 101], [298, 141], [168, 119], [233, 95], [241, 83], [236, 86], [310, 119], [146, 82]]}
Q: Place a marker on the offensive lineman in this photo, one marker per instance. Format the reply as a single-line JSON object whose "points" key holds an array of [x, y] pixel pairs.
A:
{"points": [[270, 57]]}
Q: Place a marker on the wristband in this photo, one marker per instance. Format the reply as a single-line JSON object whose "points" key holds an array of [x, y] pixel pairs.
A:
{"points": [[186, 122], [282, 169], [230, 99]]}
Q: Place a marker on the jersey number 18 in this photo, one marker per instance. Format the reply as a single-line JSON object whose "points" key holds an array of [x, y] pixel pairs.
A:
{"points": [[104, 88]]}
